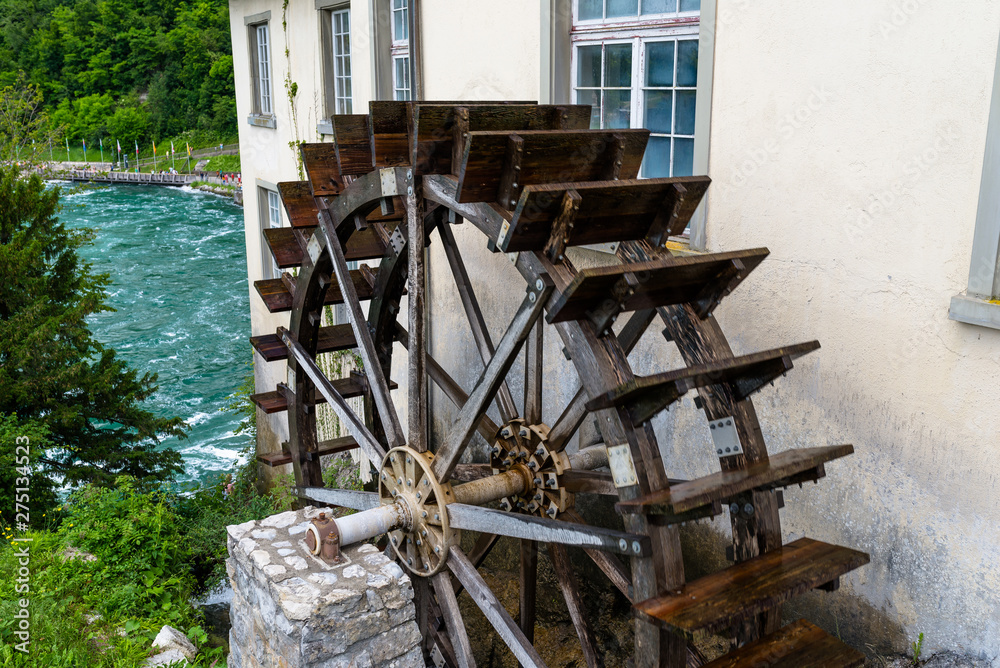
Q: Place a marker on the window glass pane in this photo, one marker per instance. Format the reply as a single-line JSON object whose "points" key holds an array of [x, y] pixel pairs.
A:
{"points": [[617, 108], [687, 62], [660, 64], [690, 5], [618, 65], [656, 162], [658, 111], [593, 98], [400, 21], [589, 66], [659, 6], [683, 157], [684, 123], [623, 8], [590, 9]]}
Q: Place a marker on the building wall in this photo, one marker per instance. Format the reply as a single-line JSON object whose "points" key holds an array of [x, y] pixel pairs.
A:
{"points": [[848, 138]]}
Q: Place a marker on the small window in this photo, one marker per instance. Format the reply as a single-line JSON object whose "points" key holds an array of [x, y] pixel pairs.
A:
{"points": [[400, 51], [638, 73], [341, 34], [270, 217], [260, 53]]}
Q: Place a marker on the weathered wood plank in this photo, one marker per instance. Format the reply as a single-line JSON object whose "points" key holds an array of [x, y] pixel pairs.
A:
{"points": [[320, 162], [556, 156], [323, 449], [453, 619], [352, 137], [349, 388], [574, 604], [798, 645], [299, 203], [662, 282], [345, 498], [645, 396], [331, 339], [528, 564], [278, 297], [493, 609], [609, 210], [721, 599], [723, 485]]}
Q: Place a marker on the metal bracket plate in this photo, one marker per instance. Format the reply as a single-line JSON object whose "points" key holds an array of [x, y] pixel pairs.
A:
{"points": [[397, 241], [504, 229], [291, 379], [314, 247], [727, 441], [622, 467], [608, 248], [388, 177]]}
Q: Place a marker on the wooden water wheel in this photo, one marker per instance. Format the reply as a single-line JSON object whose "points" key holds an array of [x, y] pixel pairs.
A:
{"points": [[534, 180]]}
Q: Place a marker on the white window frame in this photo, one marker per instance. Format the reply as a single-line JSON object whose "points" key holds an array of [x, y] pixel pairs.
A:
{"points": [[265, 104], [641, 29], [270, 218], [343, 89], [400, 52], [980, 303]]}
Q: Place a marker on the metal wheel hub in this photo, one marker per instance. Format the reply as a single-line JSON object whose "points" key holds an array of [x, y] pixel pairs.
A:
{"points": [[525, 446]]}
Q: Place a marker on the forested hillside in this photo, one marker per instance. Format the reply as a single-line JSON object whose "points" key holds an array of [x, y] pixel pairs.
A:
{"points": [[129, 69]]}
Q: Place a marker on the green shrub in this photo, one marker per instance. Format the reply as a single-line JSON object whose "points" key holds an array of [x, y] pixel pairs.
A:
{"points": [[224, 163]]}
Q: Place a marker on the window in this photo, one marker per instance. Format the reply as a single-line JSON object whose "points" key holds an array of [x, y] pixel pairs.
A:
{"points": [[259, 41], [263, 70], [270, 217], [400, 51], [341, 34], [636, 63]]}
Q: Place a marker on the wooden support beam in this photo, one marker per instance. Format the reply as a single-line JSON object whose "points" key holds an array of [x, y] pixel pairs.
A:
{"points": [[453, 619], [574, 604], [493, 609], [489, 381], [562, 226], [416, 348], [354, 425], [510, 176], [477, 518], [366, 347], [526, 594], [345, 498], [481, 335]]}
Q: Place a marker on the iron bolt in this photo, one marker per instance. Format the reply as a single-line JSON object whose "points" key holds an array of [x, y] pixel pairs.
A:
{"points": [[539, 285], [409, 174], [423, 514], [409, 562], [394, 540], [531, 297], [437, 550], [622, 544], [407, 460], [506, 462], [426, 482], [437, 517], [399, 481], [419, 543], [734, 508], [636, 547], [424, 533], [551, 482], [418, 496], [532, 465], [551, 512], [409, 483], [748, 509], [537, 481]]}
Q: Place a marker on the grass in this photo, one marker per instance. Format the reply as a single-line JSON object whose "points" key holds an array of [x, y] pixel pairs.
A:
{"points": [[224, 163]]}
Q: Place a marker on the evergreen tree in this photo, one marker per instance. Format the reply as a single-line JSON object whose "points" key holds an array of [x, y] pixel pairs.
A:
{"points": [[54, 376]]}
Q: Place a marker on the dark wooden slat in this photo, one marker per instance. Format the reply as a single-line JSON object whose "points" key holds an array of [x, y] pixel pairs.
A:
{"points": [[798, 645], [609, 210], [331, 339], [453, 621], [352, 138], [288, 252], [588, 482], [331, 447], [608, 563], [556, 156], [278, 298], [320, 161], [726, 484], [574, 604], [275, 402], [661, 282], [435, 126], [721, 599], [645, 396], [299, 203], [526, 595]]}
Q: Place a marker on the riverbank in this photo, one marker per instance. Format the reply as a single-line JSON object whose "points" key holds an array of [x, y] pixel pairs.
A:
{"points": [[225, 190]]}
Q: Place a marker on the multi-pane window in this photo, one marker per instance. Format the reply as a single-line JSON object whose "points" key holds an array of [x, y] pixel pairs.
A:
{"points": [[270, 218], [261, 52], [636, 64], [400, 50], [342, 60]]}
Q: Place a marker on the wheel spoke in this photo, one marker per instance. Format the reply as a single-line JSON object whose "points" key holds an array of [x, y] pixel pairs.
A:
{"points": [[533, 363], [526, 598], [355, 426], [609, 563], [468, 418], [366, 347], [453, 619], [417, 398], [574, 604], [505, 402], [493, 609], [487, 428]]}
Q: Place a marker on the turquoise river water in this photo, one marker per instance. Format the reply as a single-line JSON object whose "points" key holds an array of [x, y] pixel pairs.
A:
{"points": [[179, 284]]}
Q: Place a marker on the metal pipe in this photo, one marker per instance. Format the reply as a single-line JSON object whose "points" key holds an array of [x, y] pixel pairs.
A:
{"points": [[370, 523], [590, 458], [484, 490]]}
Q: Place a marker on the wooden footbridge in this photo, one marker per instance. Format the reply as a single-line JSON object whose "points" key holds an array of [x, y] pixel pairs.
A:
{"points": [[127, 178]]}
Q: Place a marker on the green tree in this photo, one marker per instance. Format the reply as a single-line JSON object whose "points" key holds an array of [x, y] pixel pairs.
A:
{"points": [[52, 370], [24, 126]]}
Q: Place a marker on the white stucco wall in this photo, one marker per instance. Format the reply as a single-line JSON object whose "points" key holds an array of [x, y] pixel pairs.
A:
{"points": [[848, 139]]}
